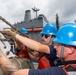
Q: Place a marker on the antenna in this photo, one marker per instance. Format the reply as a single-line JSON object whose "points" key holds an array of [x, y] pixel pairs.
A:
{"points": [[57, 21], [35, 10]]}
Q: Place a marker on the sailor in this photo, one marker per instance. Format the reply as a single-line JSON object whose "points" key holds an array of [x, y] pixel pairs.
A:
{"points": [[46, 60], [20, 49]]}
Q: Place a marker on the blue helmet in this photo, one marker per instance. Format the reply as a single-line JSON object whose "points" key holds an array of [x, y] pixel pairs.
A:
{"points": [[23, 30], [66, 34], [49, 29]]}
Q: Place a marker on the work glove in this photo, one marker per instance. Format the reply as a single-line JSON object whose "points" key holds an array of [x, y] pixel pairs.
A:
{"points": [[8, 33], [18, 44]]}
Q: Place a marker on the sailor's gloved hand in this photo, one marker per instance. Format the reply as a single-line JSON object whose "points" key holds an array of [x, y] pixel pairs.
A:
{"points": [[19, 45], [9, 33]]}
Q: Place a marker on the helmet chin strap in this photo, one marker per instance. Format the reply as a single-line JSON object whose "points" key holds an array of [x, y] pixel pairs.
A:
{"points": [[61, 56], [62, 53]]}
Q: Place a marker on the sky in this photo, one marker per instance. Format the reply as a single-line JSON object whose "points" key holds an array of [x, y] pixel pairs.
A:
{"points": [[14, 10]]}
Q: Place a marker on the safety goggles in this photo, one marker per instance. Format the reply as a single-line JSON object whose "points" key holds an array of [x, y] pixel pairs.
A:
{"points": [[46, 36]]}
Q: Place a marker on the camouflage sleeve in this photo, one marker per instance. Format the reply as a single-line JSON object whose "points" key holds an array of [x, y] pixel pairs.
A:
{"points": [[6, 65]]}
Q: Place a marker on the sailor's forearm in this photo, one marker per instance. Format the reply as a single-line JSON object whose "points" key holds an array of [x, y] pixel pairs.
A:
{"points": [[32, 44], [21, 72], [6, 65]]}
